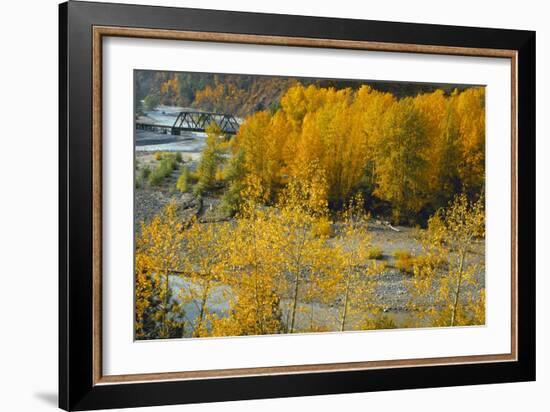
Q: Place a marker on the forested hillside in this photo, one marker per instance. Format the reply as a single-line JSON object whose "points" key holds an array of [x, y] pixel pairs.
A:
{"points": [[242, 95]]}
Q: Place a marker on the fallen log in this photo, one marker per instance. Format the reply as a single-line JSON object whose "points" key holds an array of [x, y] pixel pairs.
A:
{"points": [[392, 228]]}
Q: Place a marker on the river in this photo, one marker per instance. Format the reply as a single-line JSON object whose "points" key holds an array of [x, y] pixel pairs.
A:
{"points": [[190, 143]]}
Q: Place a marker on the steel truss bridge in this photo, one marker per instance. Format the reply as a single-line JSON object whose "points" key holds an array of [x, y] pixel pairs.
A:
{"points": [[194, 121]]}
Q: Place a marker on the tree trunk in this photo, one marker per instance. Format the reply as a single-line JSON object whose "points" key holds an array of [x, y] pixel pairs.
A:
{"points": [[295, 301], [346, 299], [166, 298], [297, 279], [311, 306], [202, 310], [458, 286]]}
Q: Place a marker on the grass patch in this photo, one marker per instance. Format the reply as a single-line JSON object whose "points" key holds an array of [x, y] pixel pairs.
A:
{"points": [[375, 253], [404, 261]]}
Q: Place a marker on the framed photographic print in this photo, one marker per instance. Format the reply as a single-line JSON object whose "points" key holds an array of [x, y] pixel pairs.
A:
{"points": [[257, 205]]}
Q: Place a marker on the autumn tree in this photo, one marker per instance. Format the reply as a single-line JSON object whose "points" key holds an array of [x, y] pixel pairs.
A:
{"points": [[446, 276], [350, 281], [414, 153], [211, 159], [328, 140], [252, 264], [202, 268], [234, 174], [158, 254], [434, 112], [370, 107], [151, 102], [470, 118], [148, 287], [401, 160], [300, 205], [170, 90], [261, 142]]}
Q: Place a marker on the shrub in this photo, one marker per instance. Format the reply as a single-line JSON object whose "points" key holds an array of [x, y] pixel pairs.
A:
{"points": [[146, 171], [322, 228], [179, 159], [383, 322], [375, 252], [199, 189], [183, 183], [172, 158], [432, 260], [142, 175], [404, 261], [155, 178], [151, 102], [232, 198], [163, 169]]}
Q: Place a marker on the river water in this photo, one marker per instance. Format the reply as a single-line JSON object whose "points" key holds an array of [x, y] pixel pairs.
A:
{"points": [[191, 143]]}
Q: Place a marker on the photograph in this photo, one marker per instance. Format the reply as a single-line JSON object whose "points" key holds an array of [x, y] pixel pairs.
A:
{"points": [[271, 205], [214, 206]]}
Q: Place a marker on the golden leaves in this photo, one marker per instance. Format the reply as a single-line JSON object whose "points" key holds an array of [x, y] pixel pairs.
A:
{"points": [[158, 250], [412, 152], [272, 264], [445, 276]]}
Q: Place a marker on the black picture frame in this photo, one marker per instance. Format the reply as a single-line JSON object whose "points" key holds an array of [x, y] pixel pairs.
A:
{"points": [[77, 390]]}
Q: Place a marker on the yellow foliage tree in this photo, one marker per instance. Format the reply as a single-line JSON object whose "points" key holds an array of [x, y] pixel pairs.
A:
{"points": [[470, 113], [414, 153], [211, 160], [401, 160], [261, 140], [204, 265], [251, 273], [158, 254], [301, 205], [350, 279], [446, 277]]}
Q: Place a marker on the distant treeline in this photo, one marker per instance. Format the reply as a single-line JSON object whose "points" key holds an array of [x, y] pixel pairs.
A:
{"points": [[243, 95]]}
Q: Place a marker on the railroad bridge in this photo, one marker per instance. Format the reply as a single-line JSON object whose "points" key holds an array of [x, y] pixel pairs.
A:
{"points": [[194, 121]]}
